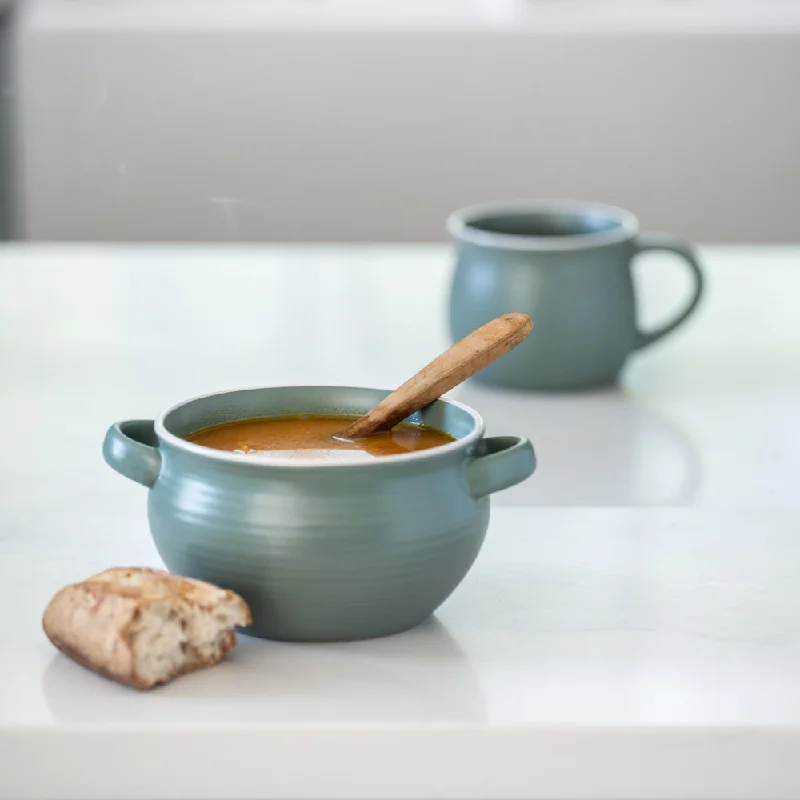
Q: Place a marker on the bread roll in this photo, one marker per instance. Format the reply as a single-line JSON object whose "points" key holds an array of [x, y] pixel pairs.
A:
{"points": [[143, 626]]}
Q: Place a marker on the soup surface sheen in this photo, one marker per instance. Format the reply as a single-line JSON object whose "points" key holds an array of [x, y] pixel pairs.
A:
{"points": [[311, 436]]}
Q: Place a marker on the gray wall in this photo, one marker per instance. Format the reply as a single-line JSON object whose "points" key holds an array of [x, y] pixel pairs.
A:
{"points": [[147, 131], [7, 156]]}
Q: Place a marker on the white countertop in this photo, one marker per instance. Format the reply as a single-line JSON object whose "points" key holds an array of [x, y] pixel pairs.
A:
{"points": [[706, 418], [638, 638], [590, 653]]}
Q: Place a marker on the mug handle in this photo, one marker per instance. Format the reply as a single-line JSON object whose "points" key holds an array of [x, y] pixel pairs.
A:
{"points": [[669, 244], [500, 462], [131, 448]]}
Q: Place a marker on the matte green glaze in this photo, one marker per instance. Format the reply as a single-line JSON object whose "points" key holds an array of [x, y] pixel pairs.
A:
{"points": [[321, 551], [568, 266]]}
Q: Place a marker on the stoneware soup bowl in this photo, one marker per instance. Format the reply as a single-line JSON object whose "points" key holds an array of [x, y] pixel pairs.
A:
{"points": [[322, 550]]}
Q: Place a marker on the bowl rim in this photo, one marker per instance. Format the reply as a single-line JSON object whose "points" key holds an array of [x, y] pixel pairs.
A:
{"points": [[228, 457]]}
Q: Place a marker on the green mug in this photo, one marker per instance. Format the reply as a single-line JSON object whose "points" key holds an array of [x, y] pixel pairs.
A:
{"points": [[568, 266]]}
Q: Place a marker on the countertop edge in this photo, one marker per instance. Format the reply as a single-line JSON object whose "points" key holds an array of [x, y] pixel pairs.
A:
{"points": [[401, 761]]}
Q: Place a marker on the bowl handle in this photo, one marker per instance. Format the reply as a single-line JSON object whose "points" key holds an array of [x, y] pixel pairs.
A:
{"points": [[131, 448], [500, 462]]}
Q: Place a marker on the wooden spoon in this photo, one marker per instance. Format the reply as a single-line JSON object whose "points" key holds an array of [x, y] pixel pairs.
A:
{"points": [[452, 367]]}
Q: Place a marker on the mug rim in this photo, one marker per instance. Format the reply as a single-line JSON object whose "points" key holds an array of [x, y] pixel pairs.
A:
{"points": [[226, 456], [460, 225]]}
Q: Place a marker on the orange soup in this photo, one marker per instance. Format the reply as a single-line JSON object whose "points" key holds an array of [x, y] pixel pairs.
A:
{"points": [[312, 436]]}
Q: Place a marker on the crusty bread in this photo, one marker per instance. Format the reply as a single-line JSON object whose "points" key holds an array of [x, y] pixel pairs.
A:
{"points": [[144, 626]]}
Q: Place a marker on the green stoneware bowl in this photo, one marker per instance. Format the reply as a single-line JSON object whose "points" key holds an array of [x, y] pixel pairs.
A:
{"points": [[321, 550]]}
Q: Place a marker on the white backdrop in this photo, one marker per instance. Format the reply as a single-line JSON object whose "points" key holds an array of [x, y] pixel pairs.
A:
{"points": [[256, 120]]}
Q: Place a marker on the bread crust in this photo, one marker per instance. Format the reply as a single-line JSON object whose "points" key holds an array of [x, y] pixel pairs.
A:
{"points": [[92, 621]]}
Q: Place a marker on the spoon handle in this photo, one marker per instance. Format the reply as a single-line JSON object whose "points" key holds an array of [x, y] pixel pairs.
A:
{"points": [[452, 367]]}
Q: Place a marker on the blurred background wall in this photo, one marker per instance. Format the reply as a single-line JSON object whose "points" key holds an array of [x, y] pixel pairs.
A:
{"points": [[8, 121], [324, 120]]}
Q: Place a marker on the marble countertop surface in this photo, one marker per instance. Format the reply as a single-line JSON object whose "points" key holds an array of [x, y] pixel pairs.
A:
{"points": [[630, 629]]}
